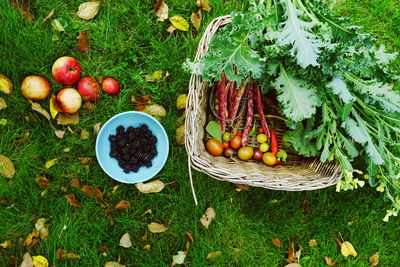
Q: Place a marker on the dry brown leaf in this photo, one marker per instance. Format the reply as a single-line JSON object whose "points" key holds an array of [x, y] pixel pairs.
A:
{"points": [[180, 23], [76, 183], [190, 237], [374, 259], [125, 241], [150, 187], [38, 108], [88, 10], [3, 103], [213, 255], [60, 134], [305, 205], [65, 254], [208, 217], [72, 200], [50, 163], [291, 258], [242, 187], [83, 42], [276, 242], [92, 192], [84, 134], [3, 200], [26, 260], [144, 236], [89, 106], [157, 228], [330, 262], [68, 119], [5, 84], [147, 247], [44, 233], [195, 18], [203, 4], [122, 205], [180, 134], [7, 168], [162, 11], [51, 13], [96, 128], [171, 29], [85, 161], [31, 237], [40, 223], [113, 264], [6, 244]]}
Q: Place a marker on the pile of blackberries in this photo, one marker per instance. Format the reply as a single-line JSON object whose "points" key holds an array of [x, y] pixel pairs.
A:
{"points": [[133, 147]]}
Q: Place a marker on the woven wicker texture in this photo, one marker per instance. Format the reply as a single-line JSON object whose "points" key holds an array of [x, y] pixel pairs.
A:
{"points": [[298, 174]]}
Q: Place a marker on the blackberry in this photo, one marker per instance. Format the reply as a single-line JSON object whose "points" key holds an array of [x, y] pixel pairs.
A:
{"points": [[120, 129], [140, 155], [134, 161], [144, 127], [146, 157], [135, 144], [148, 164], [125, 150], [153, 139], [131, 136], [122, 164], [135, 168], [113, 154], [153, 153], [121, 143], [126, 157], [127, 169], [112, 138], [130, 129]]}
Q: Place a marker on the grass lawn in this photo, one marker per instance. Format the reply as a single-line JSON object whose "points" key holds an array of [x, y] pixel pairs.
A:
{"points": [[127, 42]]}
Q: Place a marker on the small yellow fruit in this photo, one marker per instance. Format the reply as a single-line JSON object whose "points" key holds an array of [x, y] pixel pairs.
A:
{"points": [[261, 138], [264, 147]]}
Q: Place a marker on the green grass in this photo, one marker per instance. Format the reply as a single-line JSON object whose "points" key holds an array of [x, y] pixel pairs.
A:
{"points": [[127, 42]]}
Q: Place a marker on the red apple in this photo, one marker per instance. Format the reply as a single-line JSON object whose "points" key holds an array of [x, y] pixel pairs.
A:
{"points": [[110, 86], [66, 70], [69, 100], [35, 87], [89, 89]]}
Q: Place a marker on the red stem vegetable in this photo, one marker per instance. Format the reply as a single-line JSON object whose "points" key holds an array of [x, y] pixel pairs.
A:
{"points": [[218, 94], [274, 143], [261, 112], [223, 105], [250, 113], [236, 101]]}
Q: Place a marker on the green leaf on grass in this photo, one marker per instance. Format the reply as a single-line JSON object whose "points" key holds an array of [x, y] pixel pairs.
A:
{"points": [[214, 129]]}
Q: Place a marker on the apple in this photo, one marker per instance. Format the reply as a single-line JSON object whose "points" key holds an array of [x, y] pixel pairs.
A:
{"points": [[69, 100], [110, 86], [35, 87], [66, 70], [89, 89]]}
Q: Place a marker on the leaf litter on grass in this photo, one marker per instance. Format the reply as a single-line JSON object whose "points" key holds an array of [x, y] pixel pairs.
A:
{"points": [[125, 241], [150, 187], [88, 10], [7, 168], [157, 228], [208, 217], [161, 9], [83, 42]]}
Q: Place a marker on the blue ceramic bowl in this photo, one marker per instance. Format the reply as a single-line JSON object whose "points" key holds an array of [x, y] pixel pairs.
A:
{"points": [[110, 165]]}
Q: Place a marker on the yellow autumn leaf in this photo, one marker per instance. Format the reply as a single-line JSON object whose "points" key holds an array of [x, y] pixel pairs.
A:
{"points": [[180, 23], [38, 108], [7, 168], [53, 110], [50, 163], [88, 10], [195, 18], [3, 103], [57, 26], [29, 239], [347, 249], [155, 77], [84, 134], [6, 244], [5, 84], [181, 101], [68, 119], [40, 261], [157, 228]]}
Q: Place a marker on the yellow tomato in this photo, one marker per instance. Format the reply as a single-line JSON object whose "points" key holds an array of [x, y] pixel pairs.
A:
{"points": [[264, 147], [261, 138]]}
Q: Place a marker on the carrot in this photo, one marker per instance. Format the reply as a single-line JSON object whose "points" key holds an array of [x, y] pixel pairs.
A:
{"points": [[261, 112], [250, 113], [274, 143]]}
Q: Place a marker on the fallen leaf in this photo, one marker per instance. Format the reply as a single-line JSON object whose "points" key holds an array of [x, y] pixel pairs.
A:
{"points": [[54, 107], [59, 134], [213, 255], [347, 249], [96, 128], [180, 23], [293, 265], [54, 37], [40, 223], [144, 236], [276, 242], [150, 187], [83, 42], [147, 247], [75, 183], [305, 205], [3, 122], [88, 10], [5, 84], [57, 26], [85, 161], [291, 258], [89, 106], [195, 18], [84, 134], [6, 244], [171, 29], [31, 237], [7, 168], [72, 200], [162, 11], [92, 192], [157, 76], [3, 200], [148, 212], [26, 260], [187, 246], [125, 241], [374, 259], [242, 187], [50, 163], [313, 243], [141, 102], [40, 261], [181, 101], [68, 119], [330, 262], [208, 217], [3, 103], [203, 4], [36, 107], [179, 258], [190, 237], [67, 149], [157, 228], [180, 134], [122, 205], [115, 188], [51, 13], [44, 233], [113, 264], [65, 254], [155, 110]]}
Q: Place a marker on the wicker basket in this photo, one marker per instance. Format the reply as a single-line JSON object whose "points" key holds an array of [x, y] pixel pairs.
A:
{"points": [[298, 174]]}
